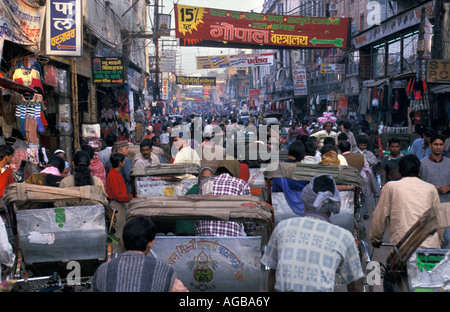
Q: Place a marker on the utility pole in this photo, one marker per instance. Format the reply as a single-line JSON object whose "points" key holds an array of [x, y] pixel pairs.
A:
{"points": [[436, 50], [156, 89]]}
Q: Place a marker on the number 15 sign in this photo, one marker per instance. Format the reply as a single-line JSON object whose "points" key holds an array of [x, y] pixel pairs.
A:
{"points": [[64, 28]]}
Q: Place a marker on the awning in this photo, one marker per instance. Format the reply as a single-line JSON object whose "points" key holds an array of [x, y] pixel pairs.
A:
{"points": [[404, 75], [376, 83], [441, 89]]}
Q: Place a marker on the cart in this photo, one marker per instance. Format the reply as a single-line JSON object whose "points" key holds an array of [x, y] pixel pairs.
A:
{"points": [[67, 242], [210, 263], [164, 179]]}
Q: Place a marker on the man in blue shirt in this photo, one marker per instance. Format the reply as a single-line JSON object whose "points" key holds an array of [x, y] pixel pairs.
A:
{"points": [[421, 146]]}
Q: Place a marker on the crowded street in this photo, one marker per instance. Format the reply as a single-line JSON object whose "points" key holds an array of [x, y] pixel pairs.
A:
{"points": [[246, 148]]}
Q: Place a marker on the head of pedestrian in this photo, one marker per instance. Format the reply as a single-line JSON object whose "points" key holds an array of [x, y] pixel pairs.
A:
{"points": [[362, 142], [61, 153], [342, 137], [329, 155], [179, 135], [394, 146], [122, 147], [156, 141], [139, 234], [57, 162], [6, 154], [146, 148], [230, 166], [437, 143], [409, 166], [296, 151], [321, 195], [328, 126], [204, 173]]}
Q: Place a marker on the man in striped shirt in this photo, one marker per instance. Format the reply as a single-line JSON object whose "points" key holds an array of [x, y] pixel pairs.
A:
{"points": [[226, 182]]}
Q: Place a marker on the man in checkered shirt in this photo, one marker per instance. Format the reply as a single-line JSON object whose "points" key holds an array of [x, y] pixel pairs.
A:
{"points": [[226, 182]]}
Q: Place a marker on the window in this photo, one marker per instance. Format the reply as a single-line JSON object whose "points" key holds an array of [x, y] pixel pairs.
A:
{"points": [[379, 60], [409, 50], [394, 57]]}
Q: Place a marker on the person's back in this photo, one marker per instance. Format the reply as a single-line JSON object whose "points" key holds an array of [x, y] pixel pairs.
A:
{"points": [[304, 254], [226, 183], [402, 203], [305, 239], [133, 272], [390, 166]]}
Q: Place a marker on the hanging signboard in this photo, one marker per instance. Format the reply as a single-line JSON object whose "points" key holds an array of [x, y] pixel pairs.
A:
{"points": [[198, 26], [21, 22], [64, 28], [300, 81], [108, 70], [196, 81], [332, 68], [165, 89], [438, 71], [236, 61], [167, 61], [164, 24]]}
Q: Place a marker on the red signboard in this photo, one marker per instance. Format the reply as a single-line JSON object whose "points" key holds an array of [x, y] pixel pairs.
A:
{"points": [[223, 28]]}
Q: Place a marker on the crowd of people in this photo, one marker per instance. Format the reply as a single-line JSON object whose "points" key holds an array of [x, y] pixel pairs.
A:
{"points": [[405, 182]]}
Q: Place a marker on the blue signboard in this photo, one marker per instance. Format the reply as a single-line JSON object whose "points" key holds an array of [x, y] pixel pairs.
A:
{"points": [[64, 28]]}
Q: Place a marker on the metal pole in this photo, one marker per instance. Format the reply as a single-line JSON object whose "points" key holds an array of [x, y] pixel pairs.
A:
{"points": [[156, 41], [75, 115]]}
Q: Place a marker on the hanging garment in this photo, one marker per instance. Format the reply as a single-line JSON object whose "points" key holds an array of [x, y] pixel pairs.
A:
{"points": [[30, 77]]}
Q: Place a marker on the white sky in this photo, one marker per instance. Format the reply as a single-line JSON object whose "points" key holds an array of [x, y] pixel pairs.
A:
{"points": [[187, 55]]}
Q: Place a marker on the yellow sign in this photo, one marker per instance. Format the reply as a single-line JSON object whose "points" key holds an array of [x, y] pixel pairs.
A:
{"points": [[438, 71], [189, 18]]}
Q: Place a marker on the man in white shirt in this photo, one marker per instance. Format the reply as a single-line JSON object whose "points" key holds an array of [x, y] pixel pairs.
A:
{"points": [[325, 133], [363, 141], [145, 157], [181, 150]]}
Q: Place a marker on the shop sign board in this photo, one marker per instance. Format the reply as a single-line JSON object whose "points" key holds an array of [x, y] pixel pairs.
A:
{"points": [[393, 25], [64, 28], [196, 26], [108, 70], [300, 81], [165, 89], [438, 71], [21, 22], [236, 61], [332, 68], [196, 81]]}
